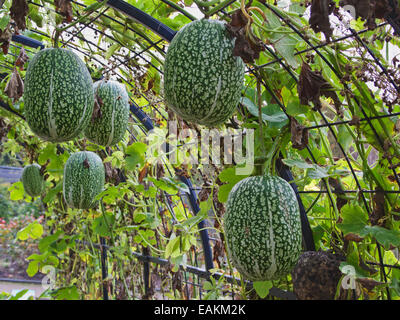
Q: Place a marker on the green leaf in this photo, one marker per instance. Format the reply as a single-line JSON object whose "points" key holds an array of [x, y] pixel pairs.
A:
{"points": [[384, 236], [345, 138], [135, 154], [169, 186], [45, 242], [173, 247], [16, 191], [285, 45], [297, 163], [111, 50], [103, 225], [277, 117], [33, 268], [354, 219], [207, 285], [68, 293], [19, 294], [4, 21], [262, 288], [228, 175], [53, 192], [33, 230]]}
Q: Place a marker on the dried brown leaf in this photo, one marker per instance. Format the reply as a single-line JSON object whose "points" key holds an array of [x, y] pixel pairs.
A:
{"points": [[22, 59], [15, 86], [379, 208], [353, 237], [299, 134], [247, 47], [18, 12], [369, 284], [64, 8], [5, 38], [312, 86], [319, 18]]}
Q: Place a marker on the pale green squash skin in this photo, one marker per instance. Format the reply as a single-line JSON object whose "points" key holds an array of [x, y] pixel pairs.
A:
{"points": [[32, 180], [58, 96], [82, 184], [110, 127], [262, 228], [202, 78]]}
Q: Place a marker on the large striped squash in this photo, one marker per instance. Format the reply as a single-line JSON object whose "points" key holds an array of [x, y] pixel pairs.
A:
{"points": [[32, 180], [110, 121], [262, 228], [84, 178], [58, 96], [202, 78]]}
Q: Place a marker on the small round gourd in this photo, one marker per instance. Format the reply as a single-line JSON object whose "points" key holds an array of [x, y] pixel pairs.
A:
{"points": [[110, 121], [84, 178], [202, 78], [262, 228], [58, 95], [32, 180]]}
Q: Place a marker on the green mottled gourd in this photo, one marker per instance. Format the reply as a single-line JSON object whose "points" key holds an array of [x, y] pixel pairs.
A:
{"points": [[84, 178], [202, 78], [32, 180], [111, 113], [262, 228], [58, 96]]}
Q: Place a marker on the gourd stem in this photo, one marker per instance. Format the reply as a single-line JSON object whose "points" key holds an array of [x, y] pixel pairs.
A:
{"points": [[218, 7], [178, 8], [260, 122], [206, 3]]}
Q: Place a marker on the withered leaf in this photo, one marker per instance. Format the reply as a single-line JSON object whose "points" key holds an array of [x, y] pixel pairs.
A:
{"points": [[369, 284], [369, 10], [5, 38], [15, 86], [319, 18], [22, 59], [245, 47], [312, 86], [353, 237], [337, 187], [143, 173], [18, 12], [378, 211], [218, 252], [299, 134], [239, 21], [64, 8], [204, 193]]}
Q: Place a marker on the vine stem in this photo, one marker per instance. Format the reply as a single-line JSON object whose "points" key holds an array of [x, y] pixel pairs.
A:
{"points": [[82, 18], [260, 122], [121, 273], [178, 8]]}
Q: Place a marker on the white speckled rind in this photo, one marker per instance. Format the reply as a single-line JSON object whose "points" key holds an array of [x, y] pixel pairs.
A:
{"points": [[110, 127], [58, 96], [262, 228], [202, 78], [83, 181]]}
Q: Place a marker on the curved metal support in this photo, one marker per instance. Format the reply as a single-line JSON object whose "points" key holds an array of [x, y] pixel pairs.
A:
{"points": [[148, 21]]}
